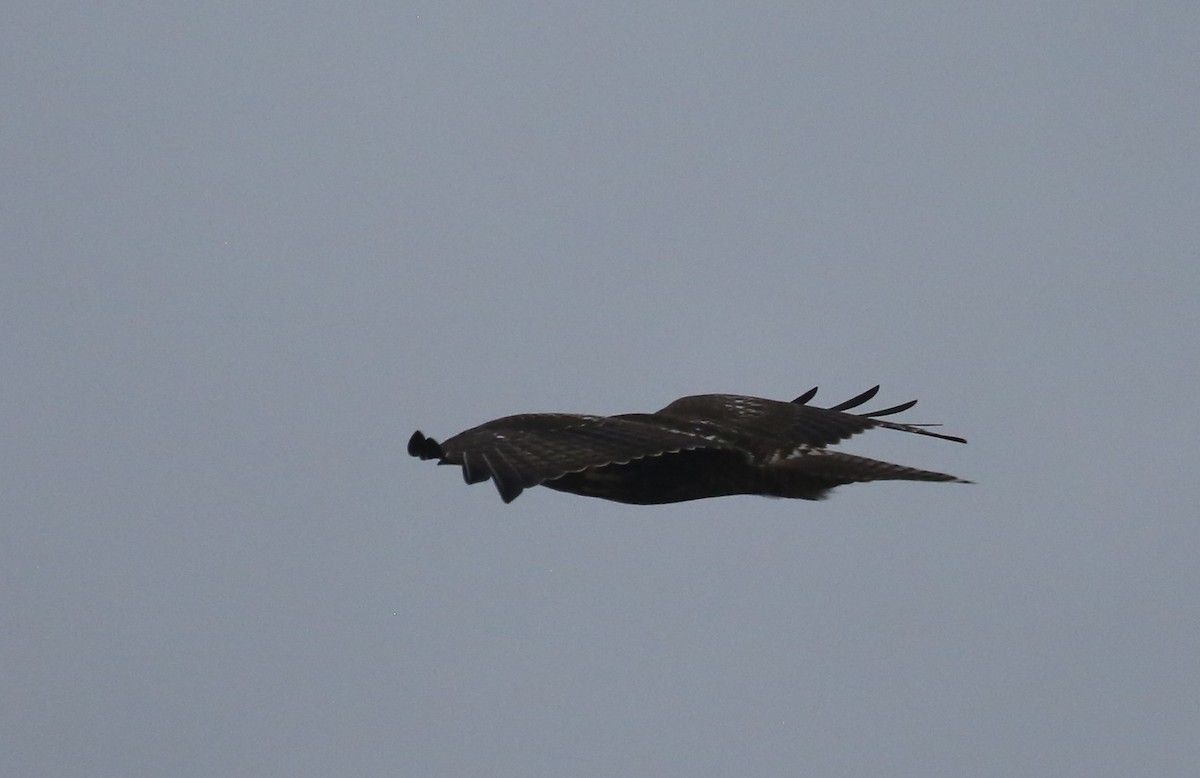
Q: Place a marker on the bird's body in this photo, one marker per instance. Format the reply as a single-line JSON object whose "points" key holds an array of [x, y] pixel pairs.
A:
{"points": [[708, 445]]}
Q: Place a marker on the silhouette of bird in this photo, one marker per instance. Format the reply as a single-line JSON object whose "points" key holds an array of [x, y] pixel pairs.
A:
{"points": [[707, 445]]}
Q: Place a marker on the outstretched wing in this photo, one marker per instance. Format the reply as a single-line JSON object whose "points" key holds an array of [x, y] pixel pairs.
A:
{"points": [[518, 452], [771, 428], [700, 446], [812, 475]]}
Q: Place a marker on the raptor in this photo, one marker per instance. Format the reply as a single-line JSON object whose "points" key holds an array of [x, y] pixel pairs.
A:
{"points": [[707, 445]]}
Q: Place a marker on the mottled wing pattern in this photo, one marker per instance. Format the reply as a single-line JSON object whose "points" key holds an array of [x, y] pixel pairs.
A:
{"points": [[518, 452], [773, 428], [699, 446]]}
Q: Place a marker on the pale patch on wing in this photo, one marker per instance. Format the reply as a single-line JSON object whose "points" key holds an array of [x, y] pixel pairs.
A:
{"points": [[802, 450]]}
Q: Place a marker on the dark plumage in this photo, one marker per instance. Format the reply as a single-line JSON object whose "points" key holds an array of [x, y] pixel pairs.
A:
{"points": [[706, 445]]}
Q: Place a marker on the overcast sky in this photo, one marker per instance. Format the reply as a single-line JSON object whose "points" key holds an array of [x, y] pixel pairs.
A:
{"points": [[249, 248]]}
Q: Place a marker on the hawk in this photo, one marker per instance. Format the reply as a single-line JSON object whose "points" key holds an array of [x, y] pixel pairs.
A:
{"points": [[707, 445]]}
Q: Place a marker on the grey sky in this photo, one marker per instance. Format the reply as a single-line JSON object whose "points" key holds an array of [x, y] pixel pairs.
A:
{"points": [[248, 250]]}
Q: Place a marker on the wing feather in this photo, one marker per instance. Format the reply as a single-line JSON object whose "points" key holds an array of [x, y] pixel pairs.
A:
{"points": [[698, 446], [901, 408], [857, 400], [804, 398], [518, 452], [835, 468], [766, 426]]}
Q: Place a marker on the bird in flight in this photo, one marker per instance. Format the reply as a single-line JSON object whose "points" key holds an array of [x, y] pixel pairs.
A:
{"points": [[707, 445]]}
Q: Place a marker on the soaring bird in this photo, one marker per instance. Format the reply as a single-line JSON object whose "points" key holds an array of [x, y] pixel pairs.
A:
{"points": [[706, 445]]}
